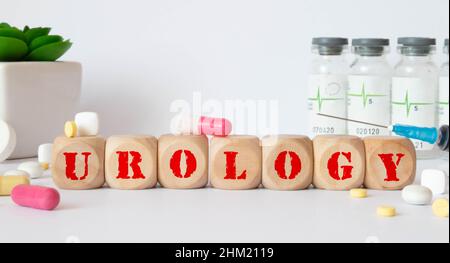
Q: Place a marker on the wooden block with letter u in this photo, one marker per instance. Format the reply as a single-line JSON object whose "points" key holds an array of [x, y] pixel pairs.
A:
{"points": [[78, 163], [131, 162]]}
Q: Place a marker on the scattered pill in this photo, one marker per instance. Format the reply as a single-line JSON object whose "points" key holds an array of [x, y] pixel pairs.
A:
{"points": [[34, 169], [417, 195], [220, 127], [440, 208], [358, 193], [7, 183], [87, 123], [386, 211], [38, 197], [7, 140], [70, 129], [45, 155], [435, 180], [16, 173]]}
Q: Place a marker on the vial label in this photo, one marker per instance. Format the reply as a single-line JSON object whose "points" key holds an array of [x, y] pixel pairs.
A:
{"points": [[327, 95], [443, 101], [414, 103], [369, 100]]}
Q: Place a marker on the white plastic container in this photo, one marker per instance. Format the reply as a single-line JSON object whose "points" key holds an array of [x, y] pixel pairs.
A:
{"points": [[370, 81], [415, 89], [328, 86], [36, 98]]}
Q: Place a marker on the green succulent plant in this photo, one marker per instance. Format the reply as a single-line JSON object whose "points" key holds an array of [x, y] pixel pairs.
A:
{"points": [[30, 44]]}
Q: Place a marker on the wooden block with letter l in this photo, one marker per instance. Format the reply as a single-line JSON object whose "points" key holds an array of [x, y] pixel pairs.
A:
{"points": [[131, 162], [78, 163], [340, 162], [391, 163], [183, 161], [235, 162], [288, 162]]}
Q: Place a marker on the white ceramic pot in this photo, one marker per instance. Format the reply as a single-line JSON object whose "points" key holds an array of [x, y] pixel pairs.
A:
{"points": [[36, 98]]}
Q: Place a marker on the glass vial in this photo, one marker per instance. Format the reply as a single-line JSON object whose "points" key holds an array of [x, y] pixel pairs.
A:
{"points": [[328, 86], [370, 81], [443, 93], [415, 89]]}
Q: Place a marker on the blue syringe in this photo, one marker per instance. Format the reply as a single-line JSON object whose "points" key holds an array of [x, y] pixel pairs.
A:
{"points": [[440, 136]]}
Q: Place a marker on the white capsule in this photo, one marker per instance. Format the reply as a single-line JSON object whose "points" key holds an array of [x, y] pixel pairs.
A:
{"points": [[435, 180], [87, 123], [7, 140], [417, 195], [34, 169], [45, 153], [16, 173]]}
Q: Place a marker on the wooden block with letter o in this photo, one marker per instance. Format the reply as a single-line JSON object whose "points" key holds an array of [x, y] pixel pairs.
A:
{"points": [[391, 163], [236, 162], [340, 162], [131, 162], [78, 163], [183, 161], [288, 162]]}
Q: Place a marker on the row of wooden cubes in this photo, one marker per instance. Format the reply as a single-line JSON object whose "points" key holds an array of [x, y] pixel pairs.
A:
{"points": [[234, 162]]}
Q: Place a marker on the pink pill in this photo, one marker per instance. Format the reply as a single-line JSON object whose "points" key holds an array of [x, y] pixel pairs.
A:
{"points": [[214, 126], [38, 197]]}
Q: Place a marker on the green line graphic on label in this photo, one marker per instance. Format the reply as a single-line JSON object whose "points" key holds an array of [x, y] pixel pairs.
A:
{"points": [[365, 97], [443, 103], [409, 105], [320, 100]]}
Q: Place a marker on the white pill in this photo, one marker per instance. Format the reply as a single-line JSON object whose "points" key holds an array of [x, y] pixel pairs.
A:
{"points": [[87, 123], [45, 153], [16, 173], [8, 140], [435, 180], [417, 195], [34, 169]]}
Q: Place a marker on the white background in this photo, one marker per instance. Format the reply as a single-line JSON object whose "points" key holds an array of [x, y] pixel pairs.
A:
{"points": [[139, 56]]}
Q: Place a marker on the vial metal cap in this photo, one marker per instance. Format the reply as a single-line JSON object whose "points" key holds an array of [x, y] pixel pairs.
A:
{"points": [[370, 46], [416, 46], [329, 46]]}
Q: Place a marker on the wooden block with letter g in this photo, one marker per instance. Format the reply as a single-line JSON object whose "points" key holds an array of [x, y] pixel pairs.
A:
{"points": [[236, 162], [78, 163], [288, 162], [340, 162], [183, 161], [391, 163], [131, 162]]}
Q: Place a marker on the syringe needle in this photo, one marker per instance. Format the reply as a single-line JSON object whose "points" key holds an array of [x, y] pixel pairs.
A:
{"points": [[350, 120]]}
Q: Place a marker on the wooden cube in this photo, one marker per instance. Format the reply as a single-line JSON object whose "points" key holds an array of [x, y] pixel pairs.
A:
{"points": [[235, 162], [183, 161], [288, 162], [391, 163], [340, 162], [78, 163], [131, 162]]}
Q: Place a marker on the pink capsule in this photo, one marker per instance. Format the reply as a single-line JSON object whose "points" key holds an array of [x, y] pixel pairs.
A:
{"points": [[38, 197], [220, 127]]}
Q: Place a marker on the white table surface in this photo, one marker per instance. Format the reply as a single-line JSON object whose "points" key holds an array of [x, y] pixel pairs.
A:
{"points": [[210, 215]]}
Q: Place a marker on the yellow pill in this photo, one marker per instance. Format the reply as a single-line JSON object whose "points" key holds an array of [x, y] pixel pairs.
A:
{"points": [[386, 211], [45, 166], [7, 183], [440, 207], [358, 193], [70, 129]]}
